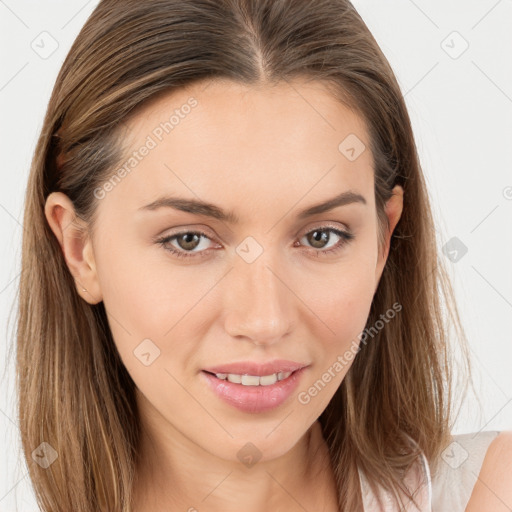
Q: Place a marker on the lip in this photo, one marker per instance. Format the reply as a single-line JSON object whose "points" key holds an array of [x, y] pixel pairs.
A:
{"points": [[254, 399], [257, 369]]}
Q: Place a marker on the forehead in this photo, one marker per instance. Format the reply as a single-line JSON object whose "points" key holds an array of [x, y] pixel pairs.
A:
{"points": [[244, 146]]}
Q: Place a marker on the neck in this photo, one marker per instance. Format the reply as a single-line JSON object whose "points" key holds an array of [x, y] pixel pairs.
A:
{"points": [[173, 473]]}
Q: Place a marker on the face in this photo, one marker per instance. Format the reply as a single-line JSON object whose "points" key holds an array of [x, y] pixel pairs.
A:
{"points": [[256, 282]]}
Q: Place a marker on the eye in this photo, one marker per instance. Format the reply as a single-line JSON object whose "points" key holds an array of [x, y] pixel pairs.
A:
{"points": [[187, 243], [322, 241]]}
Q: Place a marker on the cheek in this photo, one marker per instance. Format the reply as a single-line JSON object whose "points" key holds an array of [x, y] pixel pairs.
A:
{"points": [[346, 317], [142, 292], [344, 309], [341, 296], [155, 301]]}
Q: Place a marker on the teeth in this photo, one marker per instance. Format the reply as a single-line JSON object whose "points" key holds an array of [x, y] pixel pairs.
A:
{"points": [[237, 379], [250, 380], [267, 380], [253, 380]]}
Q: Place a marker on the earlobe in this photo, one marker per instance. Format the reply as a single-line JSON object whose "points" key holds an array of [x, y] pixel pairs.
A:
{"points": [[71, 233]]}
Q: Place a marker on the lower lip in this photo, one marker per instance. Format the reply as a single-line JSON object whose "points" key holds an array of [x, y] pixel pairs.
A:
{"points": [[255, 398]]}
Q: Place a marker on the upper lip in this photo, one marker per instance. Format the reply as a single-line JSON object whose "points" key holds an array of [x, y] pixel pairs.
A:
{"points": [[257, 369]]}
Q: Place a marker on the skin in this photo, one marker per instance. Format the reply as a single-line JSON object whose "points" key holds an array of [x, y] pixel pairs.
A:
{"points": [[265, 153], [492, 491]]}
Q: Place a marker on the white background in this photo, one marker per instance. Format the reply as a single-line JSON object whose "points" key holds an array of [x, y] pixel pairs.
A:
{"points": [[461, 110]]}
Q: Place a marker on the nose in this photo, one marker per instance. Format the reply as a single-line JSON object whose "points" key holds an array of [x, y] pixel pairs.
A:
{"points": [[258, 304]]}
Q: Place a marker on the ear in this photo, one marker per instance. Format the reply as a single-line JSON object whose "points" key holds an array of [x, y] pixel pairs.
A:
{"points": [[76, 245], [393, 211]]}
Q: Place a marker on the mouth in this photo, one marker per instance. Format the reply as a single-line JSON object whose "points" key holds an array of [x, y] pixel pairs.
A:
{"points": [[254, 393]]}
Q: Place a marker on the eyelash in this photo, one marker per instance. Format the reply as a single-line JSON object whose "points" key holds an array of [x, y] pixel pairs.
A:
{"points": [[345, 236]]}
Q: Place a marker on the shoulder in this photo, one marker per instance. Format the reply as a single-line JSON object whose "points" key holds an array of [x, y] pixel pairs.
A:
{"points": [[456, 472], [493, 489]]}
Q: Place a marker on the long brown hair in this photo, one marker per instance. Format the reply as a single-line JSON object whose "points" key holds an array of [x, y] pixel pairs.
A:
{"points": [[74, 392]]}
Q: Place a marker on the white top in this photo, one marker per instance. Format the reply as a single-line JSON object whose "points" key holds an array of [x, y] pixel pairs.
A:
{"points": [[449, 489]]}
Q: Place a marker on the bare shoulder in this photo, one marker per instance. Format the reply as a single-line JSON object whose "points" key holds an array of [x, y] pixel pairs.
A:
{"points": [[493, 489]]}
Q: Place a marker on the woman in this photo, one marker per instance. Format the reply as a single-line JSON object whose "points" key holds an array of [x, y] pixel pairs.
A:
{"points": [[230, 290]]}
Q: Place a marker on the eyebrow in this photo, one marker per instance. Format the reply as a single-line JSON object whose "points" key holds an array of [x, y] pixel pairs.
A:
{"points": [[199, 207]]}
